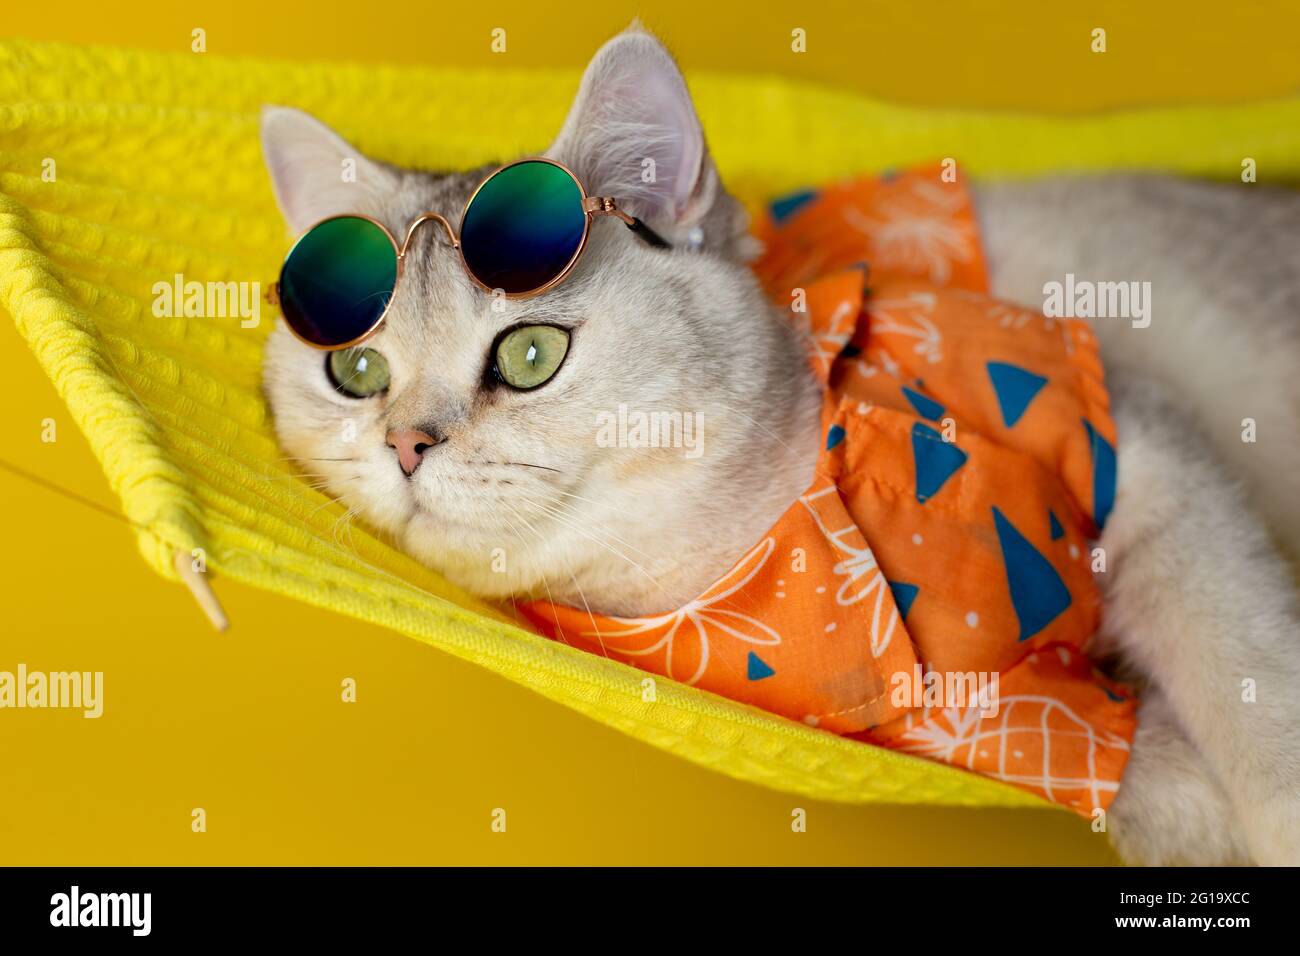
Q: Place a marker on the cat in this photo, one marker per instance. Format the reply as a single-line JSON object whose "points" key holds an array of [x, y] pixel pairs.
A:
{"points": [[1198, 594]]}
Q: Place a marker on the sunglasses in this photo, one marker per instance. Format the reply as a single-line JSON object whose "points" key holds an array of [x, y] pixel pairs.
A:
{"points": [[522, 232]]}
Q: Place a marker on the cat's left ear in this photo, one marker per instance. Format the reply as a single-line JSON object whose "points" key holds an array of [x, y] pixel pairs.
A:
{"points": [[316, 173], [632, 133]]}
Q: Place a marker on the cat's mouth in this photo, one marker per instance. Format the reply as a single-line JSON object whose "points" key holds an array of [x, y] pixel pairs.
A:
{"points": [[466, 511], [491, 551]]}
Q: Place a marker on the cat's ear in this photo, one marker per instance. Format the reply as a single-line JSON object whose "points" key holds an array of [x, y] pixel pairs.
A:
{"points": [[632, 134], [315, 172]]}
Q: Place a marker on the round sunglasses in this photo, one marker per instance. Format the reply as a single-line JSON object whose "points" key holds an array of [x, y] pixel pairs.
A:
{"points": [[521, 233]]}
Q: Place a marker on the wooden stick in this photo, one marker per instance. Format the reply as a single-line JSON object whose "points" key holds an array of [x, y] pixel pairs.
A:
{"points": [[197, 582]]}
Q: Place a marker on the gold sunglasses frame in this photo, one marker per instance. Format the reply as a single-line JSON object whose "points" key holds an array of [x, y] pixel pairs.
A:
{"points": [[592, 206]]}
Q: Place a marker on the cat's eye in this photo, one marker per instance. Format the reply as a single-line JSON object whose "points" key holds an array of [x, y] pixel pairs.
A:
{"points": [[528, 356], [357, 372]]}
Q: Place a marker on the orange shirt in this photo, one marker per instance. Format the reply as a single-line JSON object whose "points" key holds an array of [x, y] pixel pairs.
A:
{"points": [[931, 591]]}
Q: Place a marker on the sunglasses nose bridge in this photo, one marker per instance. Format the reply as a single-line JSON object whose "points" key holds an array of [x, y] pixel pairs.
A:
{"points": [[420, 221]]}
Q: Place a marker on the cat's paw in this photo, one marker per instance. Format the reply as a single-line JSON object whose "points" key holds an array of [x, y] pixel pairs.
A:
{"points": [[1170, 809], [1169, 834], [1273, 831]]}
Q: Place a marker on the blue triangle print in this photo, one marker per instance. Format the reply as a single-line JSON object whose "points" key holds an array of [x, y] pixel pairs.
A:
{"points": [[834, 436], [758, 669], [904, 595], [1015, 388], [925, 406], [935, 459], [1103, 475], [786, 206], [1057, 531], [1037, 592]]}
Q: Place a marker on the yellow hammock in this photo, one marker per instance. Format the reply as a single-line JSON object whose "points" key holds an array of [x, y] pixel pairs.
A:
{"points": [[121, 169]]}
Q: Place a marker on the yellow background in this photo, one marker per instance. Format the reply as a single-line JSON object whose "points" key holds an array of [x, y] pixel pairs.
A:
{"points": [[250, 726]]}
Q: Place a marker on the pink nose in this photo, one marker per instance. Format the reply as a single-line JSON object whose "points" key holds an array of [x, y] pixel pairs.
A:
{"points": [[410, 446]]}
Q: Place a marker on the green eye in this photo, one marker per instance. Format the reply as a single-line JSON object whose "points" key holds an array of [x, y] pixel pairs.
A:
{"points": [[357, 372], [528, 356]]}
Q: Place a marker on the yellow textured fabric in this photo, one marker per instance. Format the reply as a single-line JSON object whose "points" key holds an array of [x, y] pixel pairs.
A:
{"points": [[120, 169]]}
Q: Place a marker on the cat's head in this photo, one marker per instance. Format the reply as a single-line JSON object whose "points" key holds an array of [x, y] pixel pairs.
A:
{"points": [[528, 492]]}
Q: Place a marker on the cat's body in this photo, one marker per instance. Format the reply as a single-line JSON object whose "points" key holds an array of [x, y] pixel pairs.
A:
{"points": [[1198, 598], [1224, 266]]}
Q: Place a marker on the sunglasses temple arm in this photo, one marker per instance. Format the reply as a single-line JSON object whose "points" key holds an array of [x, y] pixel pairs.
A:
{"points": [[646, 234], [608, 206]]}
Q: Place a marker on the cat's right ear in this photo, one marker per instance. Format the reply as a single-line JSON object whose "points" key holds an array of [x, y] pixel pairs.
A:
{"points": [[315, 172], [633, 134]]}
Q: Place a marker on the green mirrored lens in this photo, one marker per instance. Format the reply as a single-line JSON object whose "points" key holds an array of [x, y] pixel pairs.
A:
{"points": [[337, 280], [523, 227]]}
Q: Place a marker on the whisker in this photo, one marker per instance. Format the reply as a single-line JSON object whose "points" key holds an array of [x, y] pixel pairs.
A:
{"points": [[596, 627], [306, 476], [346, 521], [570, 512], [545, 583], [335, 500], [572, 577], [573, 526], [526, 464], [514, 596], [757, 424], [291, 458]]}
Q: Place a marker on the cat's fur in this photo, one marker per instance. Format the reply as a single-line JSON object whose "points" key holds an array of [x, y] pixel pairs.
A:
{"points": [[1198, 597]]}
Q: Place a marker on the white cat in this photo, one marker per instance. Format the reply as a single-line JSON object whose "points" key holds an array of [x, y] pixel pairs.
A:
{"points": [[1199, 598]]}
